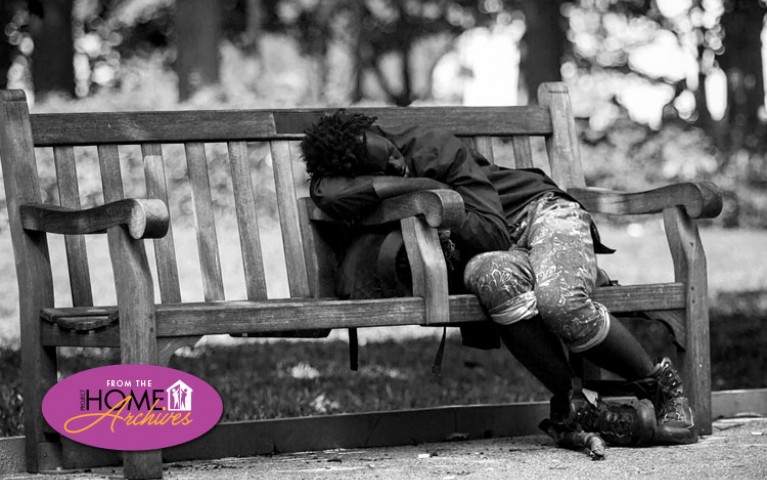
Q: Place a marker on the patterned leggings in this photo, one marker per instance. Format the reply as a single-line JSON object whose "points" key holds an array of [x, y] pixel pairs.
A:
{"points": [[556, 233]]}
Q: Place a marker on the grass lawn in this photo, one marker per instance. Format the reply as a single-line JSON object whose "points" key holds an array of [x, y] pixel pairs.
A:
{"points": [[269, 379]]}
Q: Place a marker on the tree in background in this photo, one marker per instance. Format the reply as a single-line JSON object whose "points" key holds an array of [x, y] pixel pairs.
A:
{"points": [[379, 34], [53, 58], [544, 45], [7, 50], [198, 33], [741, 60], [15, 38], [713, 40]]}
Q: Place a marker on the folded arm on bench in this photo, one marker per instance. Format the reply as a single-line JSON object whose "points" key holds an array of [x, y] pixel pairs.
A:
{"points": [[144, 218], [409, 197], [699, 199]]}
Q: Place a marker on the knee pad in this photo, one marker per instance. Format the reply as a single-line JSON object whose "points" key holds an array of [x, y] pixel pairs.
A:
{"points": [[503, 281]]}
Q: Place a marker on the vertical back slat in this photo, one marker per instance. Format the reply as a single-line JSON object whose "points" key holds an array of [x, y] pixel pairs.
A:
{"points": [[484, 145], [288, 209], [207, 240], [164, 248], [247, 221], [111, 175], [320, 259], [77, 255], [523, 153], [562, 145]]}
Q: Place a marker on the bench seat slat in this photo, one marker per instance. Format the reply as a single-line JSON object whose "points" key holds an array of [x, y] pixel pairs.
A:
{"points": [[290, 314]]}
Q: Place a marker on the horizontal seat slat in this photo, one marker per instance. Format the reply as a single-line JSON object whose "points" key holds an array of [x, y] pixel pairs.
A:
{"points": [[291, 314], [631, 298]]}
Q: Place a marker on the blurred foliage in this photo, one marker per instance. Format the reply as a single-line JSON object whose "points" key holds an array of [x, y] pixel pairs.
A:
{"points": [[633, 157], [285, 53], [11, 399]]}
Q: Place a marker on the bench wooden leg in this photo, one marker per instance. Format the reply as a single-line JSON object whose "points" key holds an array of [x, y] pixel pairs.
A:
{"points": [[138, 331], [38, 367], [690, 268], [38, 363]]}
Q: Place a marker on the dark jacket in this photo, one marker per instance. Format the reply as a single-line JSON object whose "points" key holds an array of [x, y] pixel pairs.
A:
{"points": [[493, 197]]}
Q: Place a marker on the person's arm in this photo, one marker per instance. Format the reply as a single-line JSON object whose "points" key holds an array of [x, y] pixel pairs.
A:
{"points": [[440, 155], [349, 198], [387, 187]]}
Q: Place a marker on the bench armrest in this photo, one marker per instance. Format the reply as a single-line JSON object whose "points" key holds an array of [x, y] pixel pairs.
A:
{"points": [[419, 213], [699, 199], [440, 208], [145, 218]]}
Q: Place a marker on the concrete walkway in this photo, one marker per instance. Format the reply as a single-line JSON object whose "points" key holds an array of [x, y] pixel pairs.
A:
{"points": [[737, 449]]}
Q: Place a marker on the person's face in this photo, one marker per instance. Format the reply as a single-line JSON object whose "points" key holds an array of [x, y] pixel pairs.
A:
{"points": [[383, 157]]}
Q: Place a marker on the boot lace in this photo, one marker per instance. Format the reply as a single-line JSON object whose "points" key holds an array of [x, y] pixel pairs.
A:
{"points": [[669, 393], [602, 419]]}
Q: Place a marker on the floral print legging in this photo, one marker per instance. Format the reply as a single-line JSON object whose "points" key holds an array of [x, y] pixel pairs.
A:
{"points": [[556, 233]]}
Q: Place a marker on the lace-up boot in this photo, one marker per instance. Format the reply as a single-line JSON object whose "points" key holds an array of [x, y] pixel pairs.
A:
{"points": [[676, 422], [617, 424]]}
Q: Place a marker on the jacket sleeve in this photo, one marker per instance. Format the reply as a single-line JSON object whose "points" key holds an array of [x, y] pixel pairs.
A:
{"points": [[440, 155], [344, 198]]}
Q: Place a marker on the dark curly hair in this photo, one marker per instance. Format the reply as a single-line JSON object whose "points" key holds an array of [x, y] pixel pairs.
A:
{"points": [[332, 147]]}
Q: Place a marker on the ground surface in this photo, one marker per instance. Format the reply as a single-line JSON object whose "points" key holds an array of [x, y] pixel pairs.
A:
{"points": [[737, 449]]}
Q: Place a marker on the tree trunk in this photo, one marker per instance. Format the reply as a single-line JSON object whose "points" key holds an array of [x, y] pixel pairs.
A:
{"points": [[253, 25], [358, 68], [7, 51], [198, 26], [543, 45], [53, 58], [405, 41], [742, 62]]}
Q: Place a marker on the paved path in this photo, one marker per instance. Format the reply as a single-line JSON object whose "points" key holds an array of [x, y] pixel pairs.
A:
{"points": [[737, 449]]}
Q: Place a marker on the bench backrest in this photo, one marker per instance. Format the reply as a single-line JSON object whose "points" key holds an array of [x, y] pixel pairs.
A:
{"points": [[220, 148]]}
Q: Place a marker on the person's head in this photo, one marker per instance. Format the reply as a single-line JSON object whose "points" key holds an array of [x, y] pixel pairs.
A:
{"points": [[344, 144]]}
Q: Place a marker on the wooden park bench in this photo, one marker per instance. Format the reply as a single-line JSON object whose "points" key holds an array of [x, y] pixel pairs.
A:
{"points": [[149, 329]]}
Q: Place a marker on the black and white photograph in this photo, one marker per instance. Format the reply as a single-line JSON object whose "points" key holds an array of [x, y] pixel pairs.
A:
{"points": [[365, 239]]}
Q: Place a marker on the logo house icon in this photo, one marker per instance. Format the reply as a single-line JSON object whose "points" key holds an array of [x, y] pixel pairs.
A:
{"points": [[179, 397]]}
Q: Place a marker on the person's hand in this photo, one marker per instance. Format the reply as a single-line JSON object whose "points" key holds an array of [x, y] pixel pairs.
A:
{"points": [[448, 247]]}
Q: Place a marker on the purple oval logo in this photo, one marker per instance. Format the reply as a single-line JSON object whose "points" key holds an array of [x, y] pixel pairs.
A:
{"points": [[132, 407]]}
